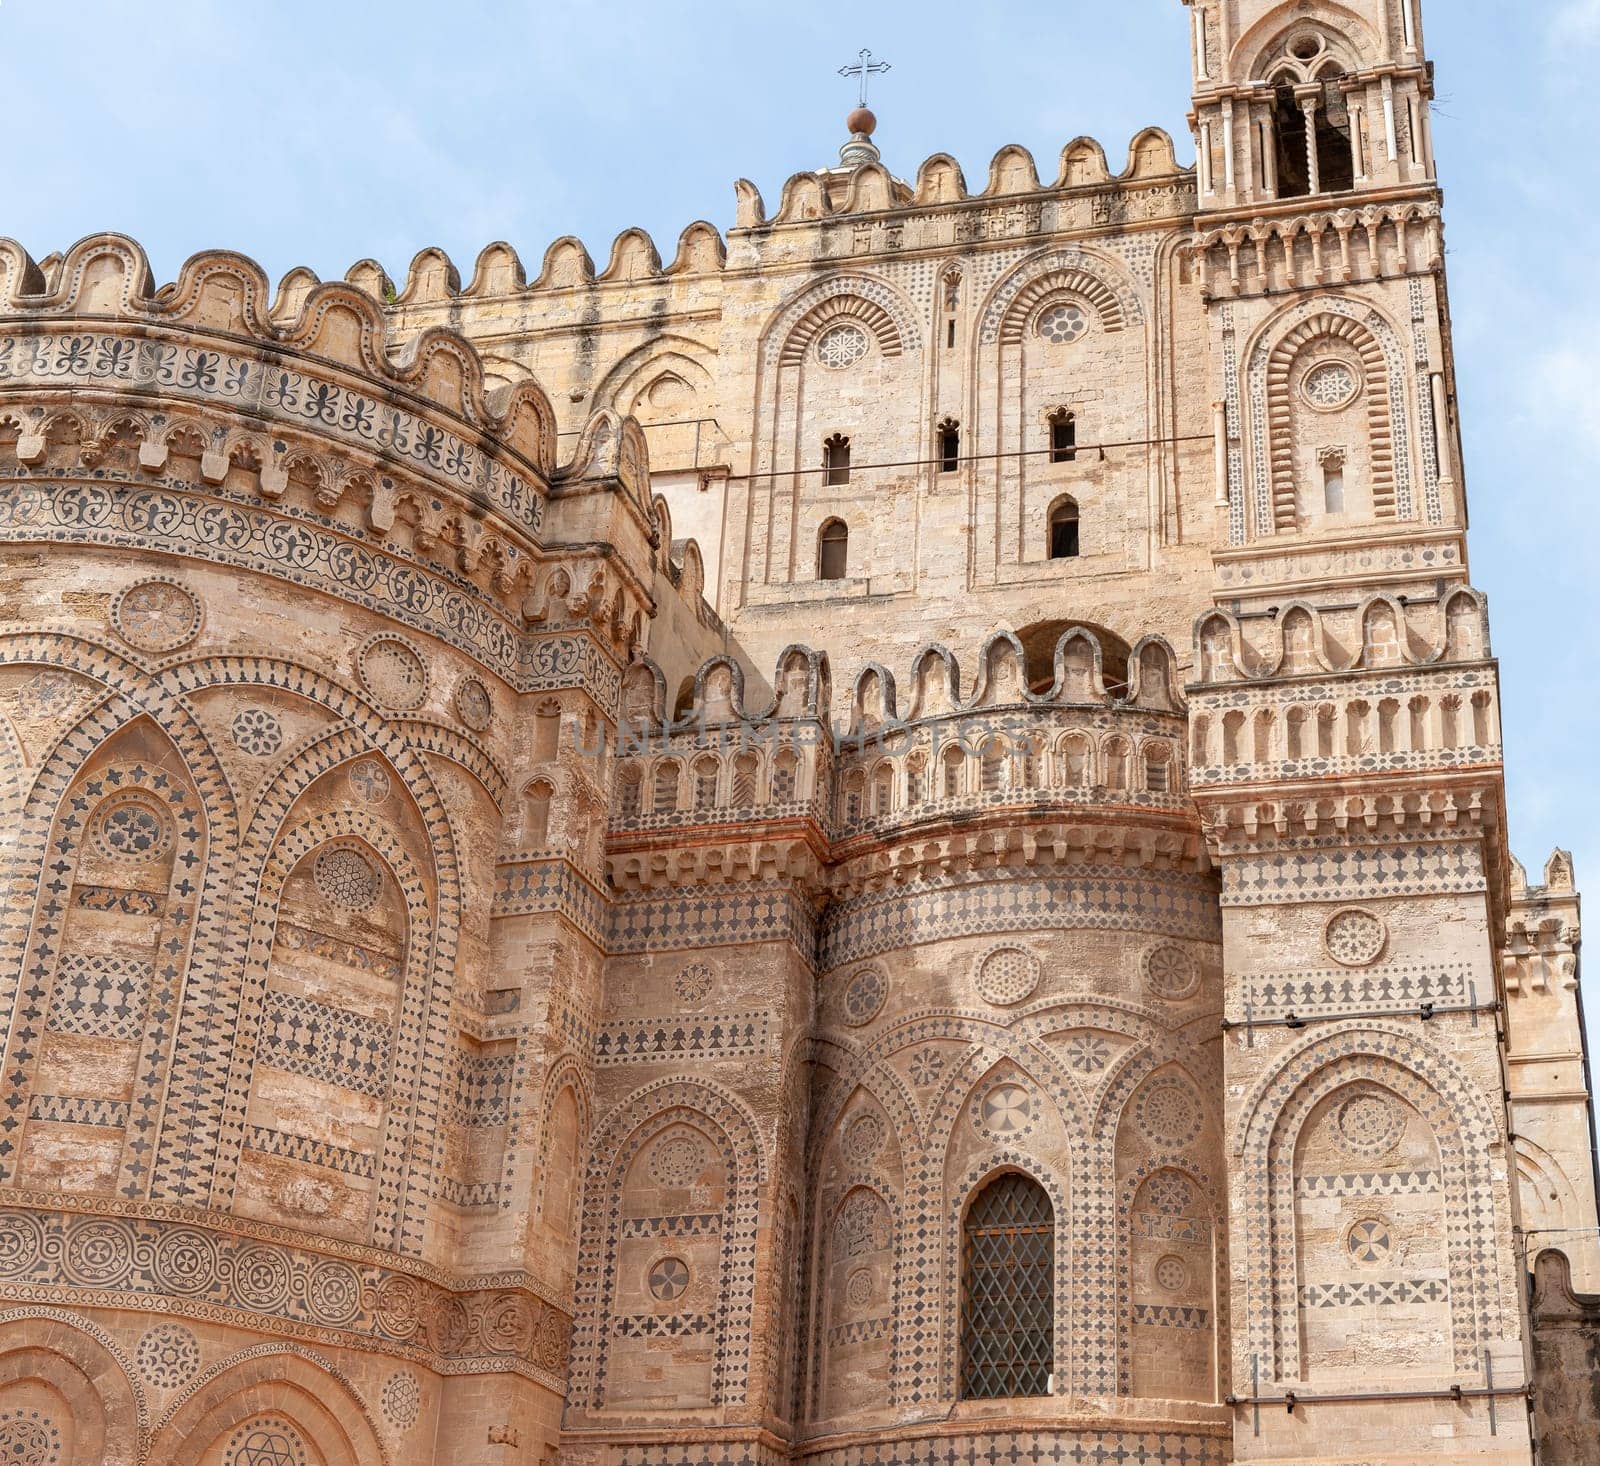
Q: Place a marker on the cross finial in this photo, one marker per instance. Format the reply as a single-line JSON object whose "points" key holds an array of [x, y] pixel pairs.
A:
{"points": [[865, 68]]}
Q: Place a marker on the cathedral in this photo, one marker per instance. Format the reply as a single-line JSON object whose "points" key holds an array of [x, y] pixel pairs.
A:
{"points": [[881, 842]]}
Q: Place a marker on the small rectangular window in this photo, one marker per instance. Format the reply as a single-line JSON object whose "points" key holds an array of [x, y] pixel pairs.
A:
{"points": [[949, 448], [950, 334], [836, 461], [1063, 438], [1333, 490]]}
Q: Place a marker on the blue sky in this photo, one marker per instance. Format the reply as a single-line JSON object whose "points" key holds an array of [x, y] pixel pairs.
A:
{"points": [[321, 133]]}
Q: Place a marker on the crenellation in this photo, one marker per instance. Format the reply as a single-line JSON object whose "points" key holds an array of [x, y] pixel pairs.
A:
{"points": [[885, 839]]}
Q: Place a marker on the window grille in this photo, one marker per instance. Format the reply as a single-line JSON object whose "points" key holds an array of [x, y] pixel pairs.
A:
{"points": [[1008, 1291]]}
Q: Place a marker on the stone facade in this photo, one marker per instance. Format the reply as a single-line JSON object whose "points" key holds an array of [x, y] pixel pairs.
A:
{"points": [[884, 843]]}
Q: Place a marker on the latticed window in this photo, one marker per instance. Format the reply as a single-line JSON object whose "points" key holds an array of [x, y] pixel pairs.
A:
{"points": [[1008, 1291]]}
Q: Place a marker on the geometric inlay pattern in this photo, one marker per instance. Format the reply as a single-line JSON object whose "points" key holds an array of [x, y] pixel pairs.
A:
{"points": [[1171, 972], [401, 1399], [168, 1357], [393, 673], [28, 1438], [1168, 1112], [347, 878], [265, 1441]]}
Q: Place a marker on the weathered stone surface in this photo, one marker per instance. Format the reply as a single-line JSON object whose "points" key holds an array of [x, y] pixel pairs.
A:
{"points": [[549, 912]]}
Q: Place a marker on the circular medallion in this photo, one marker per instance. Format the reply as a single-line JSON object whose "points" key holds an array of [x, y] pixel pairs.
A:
{"points": [[347, 878], [334, 1292], [693, 983], [397, 1306], [863, 1138], [186, 1261], [401, 1399], [370, 780], [132, 829], [678, 1160], [1171, 1275], [1355, 937], [669, 1278], [1168, 1113], [864, 996], [393, 672], [97, 1254], [28, 1438], [1171, 973], [261, 1277], [1370, 1242], [474, 706], [842, 346], [1369, 1123], [168, 1356], [1007, 975], [256, 732], [156, 615], [21, 1242], [926, 1067], [859, 1287], [1005, 1111], [1062, 323], [1330, 386], [507, 1324]]}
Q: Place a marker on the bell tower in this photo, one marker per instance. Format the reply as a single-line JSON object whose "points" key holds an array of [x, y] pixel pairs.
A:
{"points": [[1346, 761], [1307, 100]]}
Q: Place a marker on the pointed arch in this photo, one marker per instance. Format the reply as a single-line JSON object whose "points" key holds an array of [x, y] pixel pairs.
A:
{"points": [[870, 303], [277, 1382], [725, 1138]]}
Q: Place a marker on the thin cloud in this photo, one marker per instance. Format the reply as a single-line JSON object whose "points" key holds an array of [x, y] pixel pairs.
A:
{"points": [[1576, 23]]}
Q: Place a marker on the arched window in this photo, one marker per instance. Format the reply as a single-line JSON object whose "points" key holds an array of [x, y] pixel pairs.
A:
{"points": [[705, 783], [785, 772], [1008, 1291], [954, 761], [666, 788], [833, 550], [949, 445], [630, 792], [746, 774], [1064, 530], [992, 769], [546, 732], [1063, 436], [537, 828], [1312, 127], [836, 460]]}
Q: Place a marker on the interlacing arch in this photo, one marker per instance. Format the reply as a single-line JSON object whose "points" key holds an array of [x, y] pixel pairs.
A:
{"points": [[88, 1370], [1468, 1139], [278, 1382], [419, 1054], [66, 789], [185, 1160], [1331, 328], [726, 1122], [1216, 1197]]}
